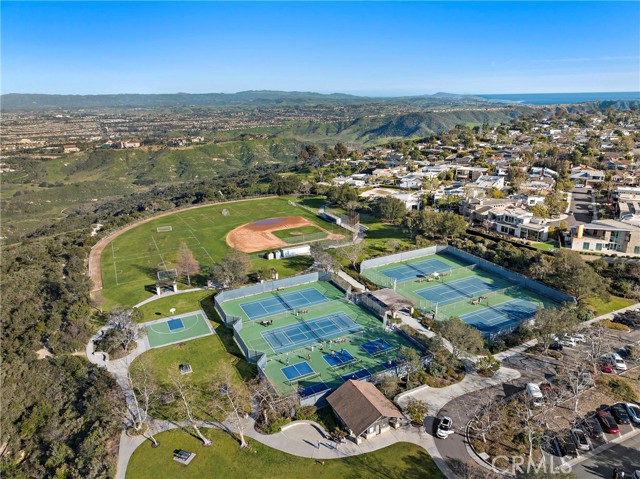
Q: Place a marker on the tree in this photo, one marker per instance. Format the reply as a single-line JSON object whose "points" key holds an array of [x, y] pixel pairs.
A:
{"points": [[555, 203], [465, 339], [231, 399], [323, 260], [452, 225], [184, 390], [284, 185], [144, 394], [551, 322], [488, 417], [487, 365], [121, 322], [539, 211], [416, 411], [412, 362], [576, 277], [186, 263], [516, 176], [390, 209], [352, 252], [231, 270]]}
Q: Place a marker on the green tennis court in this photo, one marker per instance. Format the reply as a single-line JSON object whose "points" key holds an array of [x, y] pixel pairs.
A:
{"points": [[178, 329]]}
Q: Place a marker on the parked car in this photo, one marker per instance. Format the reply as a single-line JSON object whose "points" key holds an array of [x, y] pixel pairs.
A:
{"points": [[618, 362], [535, 394], [609, 425], [445, 427], [605, 365], [566, 340], [577, 337], [593, 427], [619, 412], [636, 475], [634, 412], [580, 439], [556, 346]]}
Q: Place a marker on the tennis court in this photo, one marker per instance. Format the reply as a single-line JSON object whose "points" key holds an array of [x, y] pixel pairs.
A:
{"points": [[298, 370], [337, 358], [493, 319], [376, 346], [361, 374], [178, 329], [282, 302], [313, 389], [416, 270], [300, 334], [456, 290]]}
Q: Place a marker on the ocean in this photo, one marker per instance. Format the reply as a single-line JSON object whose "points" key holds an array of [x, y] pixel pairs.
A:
{"points": [[561, 98]]}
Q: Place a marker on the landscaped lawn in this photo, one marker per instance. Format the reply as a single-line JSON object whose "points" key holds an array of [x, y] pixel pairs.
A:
{"points": [[224, 460], [614, 304], [546, 246], [183, 303]]}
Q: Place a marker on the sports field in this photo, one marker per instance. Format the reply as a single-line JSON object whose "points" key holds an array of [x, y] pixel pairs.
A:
{"points": [[130, 262], [314, 338], [446, 286], [176, 329]]}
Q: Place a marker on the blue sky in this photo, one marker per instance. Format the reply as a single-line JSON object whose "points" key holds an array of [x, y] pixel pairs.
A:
{"points": [[362, 48]]}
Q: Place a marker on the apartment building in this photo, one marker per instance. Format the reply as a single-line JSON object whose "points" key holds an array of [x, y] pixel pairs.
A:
{"points": [[606, 236]]}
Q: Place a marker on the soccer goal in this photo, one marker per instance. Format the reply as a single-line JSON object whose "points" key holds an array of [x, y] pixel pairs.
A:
{"points": [[292, 203], [225, 212], [163, 229], [167, 274]]}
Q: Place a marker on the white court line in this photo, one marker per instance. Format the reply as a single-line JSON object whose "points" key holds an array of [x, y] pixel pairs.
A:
{"points": [[159, 252]]}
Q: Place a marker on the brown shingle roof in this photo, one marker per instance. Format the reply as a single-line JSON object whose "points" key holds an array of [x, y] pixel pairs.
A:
{"points": [[359, 404]]}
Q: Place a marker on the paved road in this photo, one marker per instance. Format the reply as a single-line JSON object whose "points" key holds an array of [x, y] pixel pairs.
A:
{"points": [[624, 456]]}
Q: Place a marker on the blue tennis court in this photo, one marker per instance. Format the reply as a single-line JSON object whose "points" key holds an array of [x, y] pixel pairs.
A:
{"points": [[389, 364], [175, 324], [336, 358], [282, 302], [501, 316], [312, 331], [316, 388], [360, 374], [297, 370], [376, 346], [456, 290], [416, 270]]}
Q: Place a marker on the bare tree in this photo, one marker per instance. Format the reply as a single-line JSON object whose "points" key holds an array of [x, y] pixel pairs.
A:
{"points": [[186, 263], [269, 403], [323, 260], [352, 252], [122, 323], [231, 270], [144, 393], [231, 400], [488, 417], [598, 344], [183, 388]]}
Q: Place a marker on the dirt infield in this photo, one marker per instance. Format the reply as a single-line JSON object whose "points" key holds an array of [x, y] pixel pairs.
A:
{"points": [[258, 236]]}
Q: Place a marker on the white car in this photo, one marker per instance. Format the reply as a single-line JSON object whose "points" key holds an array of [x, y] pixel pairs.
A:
{"points": [[565, 340], [535, 394], [577, 337], [445, 428], [617, 362], [580, 439]]}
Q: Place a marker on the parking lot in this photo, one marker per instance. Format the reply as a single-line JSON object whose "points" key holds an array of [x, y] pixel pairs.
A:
{"points": [[580, 201], [625, 456]]}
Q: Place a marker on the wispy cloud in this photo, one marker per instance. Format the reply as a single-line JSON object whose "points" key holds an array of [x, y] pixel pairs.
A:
{"points": [[585, 59]]}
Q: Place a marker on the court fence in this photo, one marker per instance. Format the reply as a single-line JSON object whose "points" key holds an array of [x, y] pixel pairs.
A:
{"points": [[400, 257], [250, 354], [267, 286], [517, 278]]}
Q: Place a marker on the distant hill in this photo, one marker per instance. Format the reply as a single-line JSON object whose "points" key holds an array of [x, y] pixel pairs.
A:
{"points": [[29, 101]]}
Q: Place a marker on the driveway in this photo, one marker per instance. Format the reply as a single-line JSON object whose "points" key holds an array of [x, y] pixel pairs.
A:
{"points": [[580, 201]]}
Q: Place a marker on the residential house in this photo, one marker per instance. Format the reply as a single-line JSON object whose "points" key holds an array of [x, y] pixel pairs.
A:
{"points": [[606, 236], [70, 149], [476, 210], [517, 222], [488, 182], [469, 173], [364, 410], [411, 182], [585, 175]]}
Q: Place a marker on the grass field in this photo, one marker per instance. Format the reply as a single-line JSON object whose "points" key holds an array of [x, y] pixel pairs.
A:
{"points": [[130, 262], [546, 246], [224, 459], [300, 235], [614, 303], [253, 333], [205, 355], [183, 303], [461, 289]]}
